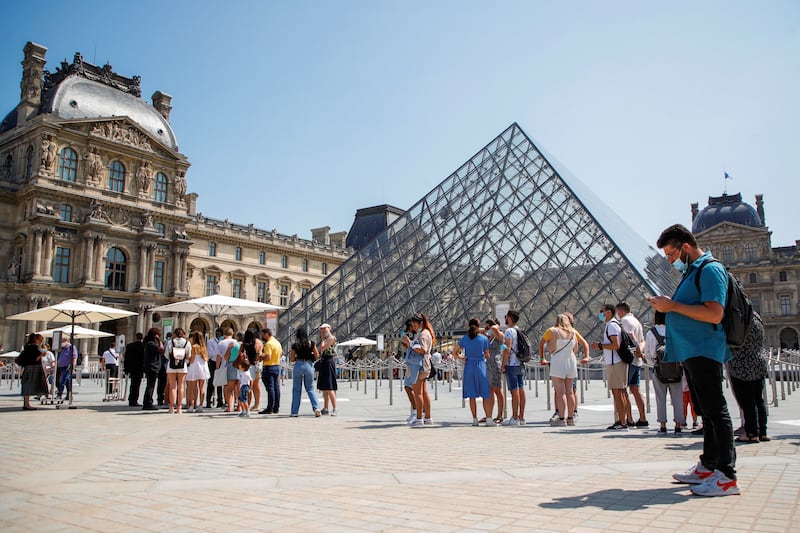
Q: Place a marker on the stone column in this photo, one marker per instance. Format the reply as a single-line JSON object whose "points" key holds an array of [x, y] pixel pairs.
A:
{"points": [[176, 271], [140, 319], [151, 257], [98, 259], [88, 246], [37, 251], [184, 284], [47, 269], [143, 266]]}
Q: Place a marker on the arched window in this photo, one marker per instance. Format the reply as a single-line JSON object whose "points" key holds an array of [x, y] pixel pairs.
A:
{"points": [[116, 266], [750, 250], [160, 188], [29, 163], [727, 254], [8, 167], [116, 176], [68, 165]]}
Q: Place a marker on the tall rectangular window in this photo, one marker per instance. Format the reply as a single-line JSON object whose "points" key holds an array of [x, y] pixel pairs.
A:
{"points": [[284, 262], [324, 269], [782, 275], [158, 275], [262, 258], [236, 291], [261, 292], [61, 266], [238, 253], [786, 305], [305, 265], [211, 285], [66, 212], [284, 295], [303, 292], [212, 249]]}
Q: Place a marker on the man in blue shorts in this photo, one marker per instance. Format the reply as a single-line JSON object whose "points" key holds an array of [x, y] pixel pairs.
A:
{"points": [[696, 339], [514, 371]]}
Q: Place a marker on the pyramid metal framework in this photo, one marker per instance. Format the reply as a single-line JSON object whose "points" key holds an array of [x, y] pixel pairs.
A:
{"points": [[510, 225]]}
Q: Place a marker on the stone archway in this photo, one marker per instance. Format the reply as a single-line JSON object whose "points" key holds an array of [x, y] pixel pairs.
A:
{"points": [[254, 326], [201, 325], [228, 323], [789, 339]]}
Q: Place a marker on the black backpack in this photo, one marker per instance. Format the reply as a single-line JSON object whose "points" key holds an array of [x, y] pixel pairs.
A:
{"points": [[626, 345], [523, 346], [738, 317], [665, 372]]}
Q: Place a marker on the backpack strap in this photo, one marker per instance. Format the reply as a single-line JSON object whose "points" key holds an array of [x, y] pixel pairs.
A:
{"points": [[658, 337], [609, 338]]}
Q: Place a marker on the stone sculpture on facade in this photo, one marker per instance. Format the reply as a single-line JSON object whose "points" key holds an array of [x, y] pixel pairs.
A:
{"points": [[48, 153], [94, 167], [180, 187], [144, 179]]}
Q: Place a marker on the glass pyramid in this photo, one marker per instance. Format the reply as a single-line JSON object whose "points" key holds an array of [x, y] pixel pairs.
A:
{"points": [[510, 225]]}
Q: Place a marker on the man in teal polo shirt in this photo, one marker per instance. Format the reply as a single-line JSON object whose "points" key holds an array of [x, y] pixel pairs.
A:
{"points": [[696, 339]]}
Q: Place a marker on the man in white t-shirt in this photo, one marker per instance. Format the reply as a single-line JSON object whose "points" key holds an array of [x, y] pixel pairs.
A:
{"points": [[111, 363], [514, 371], [212, 349], [616, 368], [633, 328]]}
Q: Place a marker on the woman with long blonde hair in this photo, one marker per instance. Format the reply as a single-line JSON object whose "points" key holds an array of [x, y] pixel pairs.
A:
{"points": [[563, 345], [420, 345], [198, 373]]}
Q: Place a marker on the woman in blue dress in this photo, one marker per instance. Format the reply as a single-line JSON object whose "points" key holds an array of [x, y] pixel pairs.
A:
{"points": [[476, 384]]}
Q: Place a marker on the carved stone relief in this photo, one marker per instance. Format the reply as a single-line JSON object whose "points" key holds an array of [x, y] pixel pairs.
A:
{"points": [[120, 132]]}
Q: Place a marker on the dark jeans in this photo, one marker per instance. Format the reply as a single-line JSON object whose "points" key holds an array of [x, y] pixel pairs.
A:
{"points": [[271, 376], [136, 383], [64, 379], [212, 367], [113, 372], [152, 379], [705, 386], [750, 396]]}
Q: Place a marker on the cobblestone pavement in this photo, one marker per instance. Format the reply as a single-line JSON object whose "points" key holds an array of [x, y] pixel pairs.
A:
{"points": [[107, 467]]}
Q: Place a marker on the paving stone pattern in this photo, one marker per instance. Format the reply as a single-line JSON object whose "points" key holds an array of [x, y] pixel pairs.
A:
{"points": [[107, 467]]}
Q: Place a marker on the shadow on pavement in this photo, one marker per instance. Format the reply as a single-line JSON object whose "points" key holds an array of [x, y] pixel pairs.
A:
{"points": [[619, 499]]}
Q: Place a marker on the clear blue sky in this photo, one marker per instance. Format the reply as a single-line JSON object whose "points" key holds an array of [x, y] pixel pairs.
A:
{"points": [[295, 114]]}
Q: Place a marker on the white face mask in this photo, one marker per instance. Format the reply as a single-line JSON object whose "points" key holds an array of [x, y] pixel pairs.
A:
{"points": [[679, 265]]}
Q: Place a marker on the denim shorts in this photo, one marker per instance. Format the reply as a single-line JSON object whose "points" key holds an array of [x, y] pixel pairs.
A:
{"points": [[515, 377], [232, 373], [244, 392], [634, 373]]}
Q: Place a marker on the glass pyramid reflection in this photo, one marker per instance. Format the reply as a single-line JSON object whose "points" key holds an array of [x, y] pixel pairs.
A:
{"points": [[510, 225]]}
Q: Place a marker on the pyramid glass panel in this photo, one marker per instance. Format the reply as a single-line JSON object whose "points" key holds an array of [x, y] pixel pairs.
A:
{"points": [[510, 225]]}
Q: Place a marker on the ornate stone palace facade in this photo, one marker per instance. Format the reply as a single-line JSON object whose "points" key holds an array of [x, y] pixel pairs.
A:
{"points": [[738, 236], [94, 205]]}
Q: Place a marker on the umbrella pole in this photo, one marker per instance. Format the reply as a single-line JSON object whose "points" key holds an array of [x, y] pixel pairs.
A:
{"points": [[72, 341]]}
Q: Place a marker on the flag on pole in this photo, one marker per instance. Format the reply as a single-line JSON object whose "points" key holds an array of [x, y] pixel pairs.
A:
{"points": [[728, 176]]}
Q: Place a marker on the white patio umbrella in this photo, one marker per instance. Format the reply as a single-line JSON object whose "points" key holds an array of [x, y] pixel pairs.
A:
{"points": [[358, 341], [9, 355], [218, 305], [72, 312], [79, 332]]}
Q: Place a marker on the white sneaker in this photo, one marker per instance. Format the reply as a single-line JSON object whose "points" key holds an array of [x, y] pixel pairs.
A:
{"points": [[694, 476], [416, 423], [555, 417], [317, 413], [718, 484], [428, 422], [412, 416], [511, 422], [521, 422], [200, 409], [490, 422], [475, 422], [191, 409], [334, 413]]}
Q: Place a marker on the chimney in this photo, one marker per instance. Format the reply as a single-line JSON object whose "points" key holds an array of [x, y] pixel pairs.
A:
{"points": [[338, 239], [31, 84], [321, 235], [163, 103], [760, 208], [694, 211]]}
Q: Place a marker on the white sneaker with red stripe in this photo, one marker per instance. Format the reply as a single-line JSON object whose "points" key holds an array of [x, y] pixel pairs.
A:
{"points": [[717, 485], [695, 475]]}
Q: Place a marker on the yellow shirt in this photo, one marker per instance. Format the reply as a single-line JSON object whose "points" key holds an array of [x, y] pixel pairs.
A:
{"points": [[272, 352], [546, 336]]}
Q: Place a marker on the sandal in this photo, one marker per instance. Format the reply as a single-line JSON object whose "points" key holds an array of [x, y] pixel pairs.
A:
{"points": [[482, 420], [747, 439]]}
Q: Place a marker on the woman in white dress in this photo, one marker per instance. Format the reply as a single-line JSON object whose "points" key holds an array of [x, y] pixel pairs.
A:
{"points": [[198, 373], [563, 368]]}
